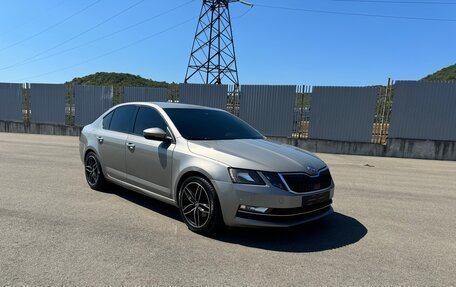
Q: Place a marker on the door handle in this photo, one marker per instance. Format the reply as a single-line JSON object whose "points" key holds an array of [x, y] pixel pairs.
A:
{"points": [[131, 146], [100, 139]]}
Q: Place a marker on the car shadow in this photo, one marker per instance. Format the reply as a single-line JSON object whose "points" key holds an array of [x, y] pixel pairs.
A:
{"points": [[331, 232]]}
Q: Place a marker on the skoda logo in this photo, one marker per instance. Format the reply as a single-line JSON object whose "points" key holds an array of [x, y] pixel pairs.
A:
{"points": [[311, 170]]}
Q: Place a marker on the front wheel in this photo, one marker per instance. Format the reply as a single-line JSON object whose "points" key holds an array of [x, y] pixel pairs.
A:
{"points": [[199, 206]]}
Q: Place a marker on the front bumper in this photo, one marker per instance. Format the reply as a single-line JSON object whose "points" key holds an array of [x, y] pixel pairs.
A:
{"points": [[284, 208]]}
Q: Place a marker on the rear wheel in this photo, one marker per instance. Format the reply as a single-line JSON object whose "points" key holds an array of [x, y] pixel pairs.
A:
{"points": [[199, 206], [93, 173]]}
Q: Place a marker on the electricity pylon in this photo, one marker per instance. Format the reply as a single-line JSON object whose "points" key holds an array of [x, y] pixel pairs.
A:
{"points": [[212, 59]]}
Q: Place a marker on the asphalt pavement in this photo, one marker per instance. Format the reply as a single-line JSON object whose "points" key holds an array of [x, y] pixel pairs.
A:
{"points": [[395, 224]]}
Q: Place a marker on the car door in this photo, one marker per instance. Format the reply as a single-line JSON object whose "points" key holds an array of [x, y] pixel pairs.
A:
{"points": [[112, 139], [149, 162]]}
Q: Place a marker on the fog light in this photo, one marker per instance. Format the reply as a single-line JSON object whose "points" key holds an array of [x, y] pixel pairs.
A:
{"points": [[253, 209]]}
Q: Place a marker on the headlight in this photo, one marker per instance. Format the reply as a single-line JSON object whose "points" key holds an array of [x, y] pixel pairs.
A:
{"points": [[245, 176], [274, 179]]}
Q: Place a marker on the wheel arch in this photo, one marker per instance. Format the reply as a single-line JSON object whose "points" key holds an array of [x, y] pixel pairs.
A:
{"points": [[90, 149], [187, 174]]}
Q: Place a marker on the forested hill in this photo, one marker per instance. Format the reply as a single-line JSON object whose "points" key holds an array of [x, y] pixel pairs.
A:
{"points": [[118, 80], [445, 74]]}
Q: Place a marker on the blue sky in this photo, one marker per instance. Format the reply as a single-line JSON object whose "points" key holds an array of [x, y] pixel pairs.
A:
{"points": [[273, 46]]}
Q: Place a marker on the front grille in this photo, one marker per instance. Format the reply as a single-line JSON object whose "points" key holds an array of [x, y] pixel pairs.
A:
{"points": [[301, 182]]}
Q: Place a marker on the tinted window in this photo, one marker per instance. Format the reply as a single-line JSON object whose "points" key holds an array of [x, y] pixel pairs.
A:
{"points": [[205, 124], [148, 118], [123, 119], [107, 120]]}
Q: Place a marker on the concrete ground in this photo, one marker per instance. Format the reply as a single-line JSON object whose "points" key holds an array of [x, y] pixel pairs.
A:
{"points": [[395, 224]]}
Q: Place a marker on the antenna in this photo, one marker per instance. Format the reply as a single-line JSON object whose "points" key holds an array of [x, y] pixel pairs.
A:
{"points": [[213, 59]]}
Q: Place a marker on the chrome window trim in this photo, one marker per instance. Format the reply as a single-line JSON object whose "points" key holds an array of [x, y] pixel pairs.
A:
{"points": [[168, 129]]}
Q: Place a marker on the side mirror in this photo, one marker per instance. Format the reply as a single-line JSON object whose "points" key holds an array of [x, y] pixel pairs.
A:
{"points": [[155, 134]]}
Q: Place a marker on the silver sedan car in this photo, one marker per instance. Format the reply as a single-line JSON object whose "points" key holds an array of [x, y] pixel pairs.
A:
{"points": [[213, 166]]}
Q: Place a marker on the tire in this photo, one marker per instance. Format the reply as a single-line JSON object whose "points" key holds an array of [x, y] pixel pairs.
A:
{"points": [[93, 173], [199, 206]]}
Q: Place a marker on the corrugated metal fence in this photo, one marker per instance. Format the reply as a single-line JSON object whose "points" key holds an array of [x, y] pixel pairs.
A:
{"points": [[424, 110], [144, 94], [91, 102], [269, 109], [343, 113], [47, 103], [11, 102], [214, 96], [420, 110]]}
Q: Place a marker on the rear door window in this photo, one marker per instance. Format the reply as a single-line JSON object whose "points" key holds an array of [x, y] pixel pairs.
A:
{"points": [[123, 119], [107, 120], [148, 118]]}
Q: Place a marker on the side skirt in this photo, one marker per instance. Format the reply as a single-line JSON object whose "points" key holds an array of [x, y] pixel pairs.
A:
{"points": [[143, 191]]}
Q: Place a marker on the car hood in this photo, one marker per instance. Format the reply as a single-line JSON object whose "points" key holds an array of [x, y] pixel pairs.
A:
{"points": [[256, 154]]}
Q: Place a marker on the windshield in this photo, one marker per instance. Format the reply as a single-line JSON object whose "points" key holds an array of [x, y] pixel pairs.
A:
{"points": [[205, 124]]}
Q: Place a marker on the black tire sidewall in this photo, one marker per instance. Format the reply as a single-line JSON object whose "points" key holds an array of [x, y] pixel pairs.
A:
{"points": [[214, 222], [101, 181]]}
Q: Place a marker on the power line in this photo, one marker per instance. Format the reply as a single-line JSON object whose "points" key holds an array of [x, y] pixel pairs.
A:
{"points": [[76, 36], [51, 26], [356, 14], [243, 14], [399, 2], [112, 51], [25, 62]]}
